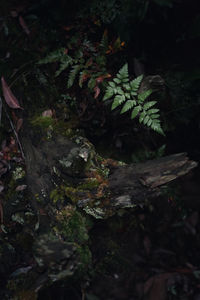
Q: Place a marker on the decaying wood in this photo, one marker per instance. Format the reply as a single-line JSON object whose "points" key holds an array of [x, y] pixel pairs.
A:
{"points": [[127, 185], [135, 182]]}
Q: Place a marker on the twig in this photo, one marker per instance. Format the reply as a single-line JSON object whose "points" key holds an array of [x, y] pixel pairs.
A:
{"points": [[1, 213], [15, 133]]}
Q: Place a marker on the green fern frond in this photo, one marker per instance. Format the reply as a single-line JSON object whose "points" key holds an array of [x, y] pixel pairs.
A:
{"points": [[104, 42], [122, 90], [143, 96], [155, 125], [149, 104], [54, 56], [118, 100], [123, 73], [135, 111], [72, 75], [92, 83], [135, 83], [109, 93], [64, 64], [127, 106]]}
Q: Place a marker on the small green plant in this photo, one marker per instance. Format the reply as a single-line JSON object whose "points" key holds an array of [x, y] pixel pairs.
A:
{"points": [[82, 59], [127, 94]]}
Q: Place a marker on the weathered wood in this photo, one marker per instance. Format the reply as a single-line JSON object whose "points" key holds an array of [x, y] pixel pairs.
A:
{"points": [[51, 162], [134, 183]]}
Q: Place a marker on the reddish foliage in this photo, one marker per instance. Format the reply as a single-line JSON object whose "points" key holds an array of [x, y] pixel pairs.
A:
{"points": [[10, 99]]}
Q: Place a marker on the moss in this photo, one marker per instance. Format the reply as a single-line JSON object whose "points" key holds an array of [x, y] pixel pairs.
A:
{"points": [[42, 122], [90, 184], [71, 225], [57, 195], [85, 257], [49, 125]]}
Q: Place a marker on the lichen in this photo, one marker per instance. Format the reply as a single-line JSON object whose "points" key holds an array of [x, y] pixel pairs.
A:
{"points": [[18, 173]]}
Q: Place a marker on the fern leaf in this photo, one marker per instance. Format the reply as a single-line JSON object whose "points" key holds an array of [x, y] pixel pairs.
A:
{"points": [[127, 106], [133, 94], [157, 127], [149, 122], [142, 116], [149, 104], [119, 91], [92, 83], [155, 116], [109, 93], [152, 111], [104, 41], [135, 83], [143, 96], [118, 100], [123, 73], [127, 96], [53, 56], [135, 111], [146, 120], [125, 80], [65, 63], [112, 84], [116, 80], [72, 75], [127, 87]]}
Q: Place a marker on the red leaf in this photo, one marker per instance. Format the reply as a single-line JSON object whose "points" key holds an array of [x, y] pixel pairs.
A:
{"points": [[10, 99], [97, 92], [24, 26]]}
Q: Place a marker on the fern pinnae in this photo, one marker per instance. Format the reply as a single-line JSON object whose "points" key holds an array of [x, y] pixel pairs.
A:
{"points": [[135, 83], [72, 75], [64, 64], [153, 111], [118, 100], [146, 120], [123, 73], [108, 94], [149, 104], [144, 95], [135, 111], [127, 106], [54, 56]]}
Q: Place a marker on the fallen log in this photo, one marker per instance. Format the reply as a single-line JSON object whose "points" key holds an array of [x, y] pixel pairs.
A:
{"points": [[61, 160]]}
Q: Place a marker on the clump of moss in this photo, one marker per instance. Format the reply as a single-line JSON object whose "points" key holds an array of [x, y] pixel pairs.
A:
{"points": [[43, 122], [71, 225], [49, 125]]}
